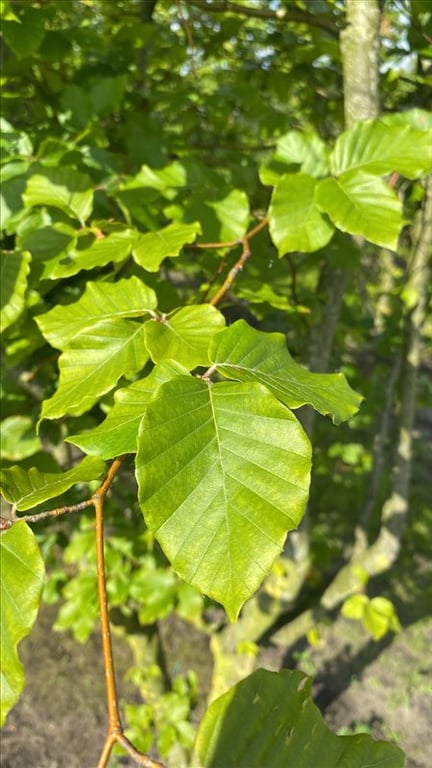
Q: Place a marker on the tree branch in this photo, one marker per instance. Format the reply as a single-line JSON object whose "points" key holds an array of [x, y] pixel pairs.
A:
{"points": [[295, 15]]}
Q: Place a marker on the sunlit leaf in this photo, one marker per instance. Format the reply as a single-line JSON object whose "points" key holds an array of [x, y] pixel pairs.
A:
{"points": [[243, 353], [184, 335], [116, 246], [153, 247], [22, 583], [63, 188], [296, 223], [269, 719], [28, 487], [118, 433], [362, 204], [14, 271], [100, 301], [217, 466], [377, 148], [93, 363]]}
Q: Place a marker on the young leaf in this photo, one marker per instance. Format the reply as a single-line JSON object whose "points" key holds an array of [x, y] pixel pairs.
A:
{"points": [[296, 223], [184, 335], [153, 247], [100, 301], [14, 271], [377, 148], [118, 433], [269, 719], [63, 188], [362, 204], [22, 581], [93, 363], [240, 352], [25, 488], [223, 473]]}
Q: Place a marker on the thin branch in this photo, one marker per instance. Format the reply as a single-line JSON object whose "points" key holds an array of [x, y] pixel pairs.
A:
{"points": [[36, 518], [282, 15], [238, 266]]}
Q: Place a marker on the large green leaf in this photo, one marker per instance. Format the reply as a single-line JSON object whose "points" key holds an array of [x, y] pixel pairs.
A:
{"points": [[49, 245], [362, 204], [64, 188], [377, 148], [14, 270], [183, 335], [153, 247], [22, 583], [93, 363], [25, 488], [116, 246], [100, 301], [118, 433], [295, 221], [269, 719], [223, 472], [240, 352]]}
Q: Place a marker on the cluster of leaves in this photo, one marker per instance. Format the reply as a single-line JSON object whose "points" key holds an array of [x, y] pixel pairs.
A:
{"points": [[107, 314]]}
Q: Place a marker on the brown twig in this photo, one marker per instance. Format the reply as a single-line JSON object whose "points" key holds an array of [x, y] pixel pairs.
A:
{"points": [[115, 728], [36, 518], [238, 266]]}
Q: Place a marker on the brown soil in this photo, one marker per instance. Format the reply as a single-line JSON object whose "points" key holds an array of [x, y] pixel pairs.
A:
{"points": [[385, 688]]}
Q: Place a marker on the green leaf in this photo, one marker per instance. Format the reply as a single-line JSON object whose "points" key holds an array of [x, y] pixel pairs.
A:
{"points": [[63, 188], [240, 352], [184, 335], [118, 433], [48, 246], [233, 214], [25, 488], [116, 246], [269, 719], [306, 150], [14, 270], [18, 438], [25, 37], [93, 363], [295, 221], [100, 301], [377, 148], [364, 205], [152, 248], [217, 466], [22, 582]]}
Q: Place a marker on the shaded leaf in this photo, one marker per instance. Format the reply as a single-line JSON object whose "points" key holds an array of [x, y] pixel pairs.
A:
{"points": [[364, 205], [183, 335], [240, 352], [153, 247], [14, 271], [63, 188], [118, 433], [28, 487], [93, 363], [18, 438], [269, 719], [295, 221], [217, 466], [377, 148], [100, 301], [22, 582]]}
